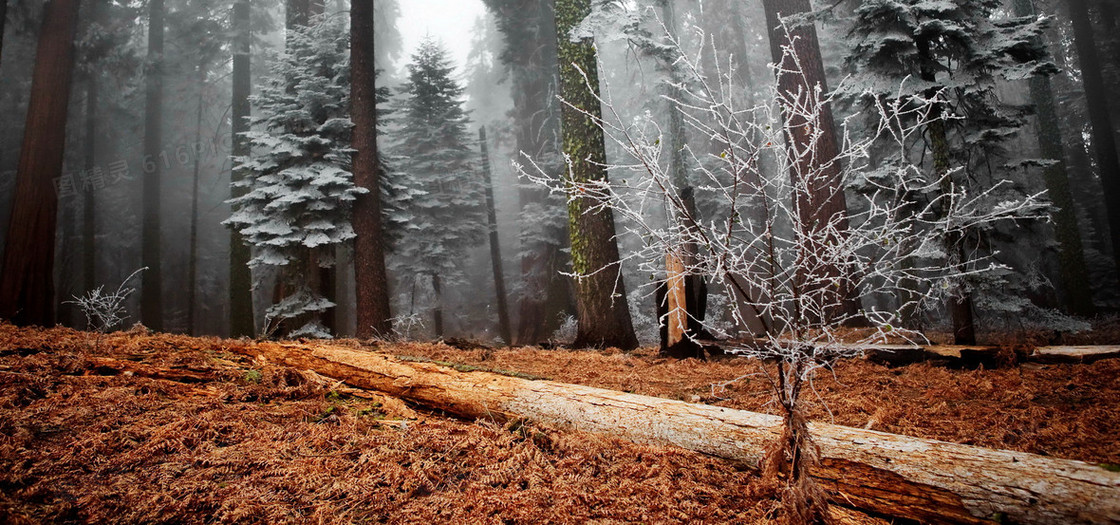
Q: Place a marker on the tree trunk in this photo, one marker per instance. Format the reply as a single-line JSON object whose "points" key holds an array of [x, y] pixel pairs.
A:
{"points": [[1071, 255], [1101, 123], [529, 27], [372, 282], [495, 245], [823, 203], [89, 203], [897, 476], [960, 301], [3, 24], [604, 318], [151, 303], [437, 307], [192, 260], [26, 282], [240, 278]]}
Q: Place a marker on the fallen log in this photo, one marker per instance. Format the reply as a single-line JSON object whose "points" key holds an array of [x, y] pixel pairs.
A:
{"points": [[925, 480]]}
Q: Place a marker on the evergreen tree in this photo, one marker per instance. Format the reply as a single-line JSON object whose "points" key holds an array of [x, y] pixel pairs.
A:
{"points": [[299, 191], [951, 55], [437, 166]]}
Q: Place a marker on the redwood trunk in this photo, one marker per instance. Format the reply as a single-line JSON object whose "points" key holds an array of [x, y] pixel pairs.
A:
{"points": [[604, 317], [1077, 295], [1104, 140], [240, 278], [89, 203], [26, 283], [192, 261], [151, 303], [897, 476], [371, 279], [823, 202]]}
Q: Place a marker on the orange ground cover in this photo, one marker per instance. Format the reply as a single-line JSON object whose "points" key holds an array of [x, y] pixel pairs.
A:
{"points": [[173, 429]]}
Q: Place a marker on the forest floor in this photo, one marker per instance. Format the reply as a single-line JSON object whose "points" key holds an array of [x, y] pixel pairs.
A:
{"points": [[133, 427]]}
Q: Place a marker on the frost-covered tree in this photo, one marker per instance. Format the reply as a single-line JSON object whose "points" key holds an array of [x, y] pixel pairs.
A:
{"points": [[298, 185], [952, 56], [437, 169]]}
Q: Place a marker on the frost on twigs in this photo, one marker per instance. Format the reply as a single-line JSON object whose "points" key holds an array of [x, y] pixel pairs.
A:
{"points": [[791, 269], [105, 310]]}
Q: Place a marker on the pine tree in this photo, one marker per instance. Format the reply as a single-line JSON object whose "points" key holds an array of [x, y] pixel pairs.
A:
{"points": [[299, 191], [437, 166], [952, 53]]}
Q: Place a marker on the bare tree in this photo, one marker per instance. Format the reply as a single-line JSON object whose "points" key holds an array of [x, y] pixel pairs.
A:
{"points": [[775, 258]]}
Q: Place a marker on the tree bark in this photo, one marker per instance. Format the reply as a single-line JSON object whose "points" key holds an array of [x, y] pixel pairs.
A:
{"points": [[89, 198], [495, 245], [437, 308], [3, 24], [529, 27], [192, 258], [151, 299], [26, 282], [372, 282], [1071, 255], [823, 203], [240, 278], [604, 317], [910, 478], [1108, 162]]}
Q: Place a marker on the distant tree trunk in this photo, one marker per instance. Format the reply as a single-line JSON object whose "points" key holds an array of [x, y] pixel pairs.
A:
{"points": [[1099, 117], [723, 22], [823, 203], [26, 282], [89, 198], [3, 23], [529, 27], [495, 246], [960, 302], [437, 306], [1071, 255], [604, 317], [151, 304], [192, 262], [297, 13], [371, 279], [240, 277], [688, 291]]}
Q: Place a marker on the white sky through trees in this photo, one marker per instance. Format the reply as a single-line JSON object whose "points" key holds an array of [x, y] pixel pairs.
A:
{"points": [[450, 21]]}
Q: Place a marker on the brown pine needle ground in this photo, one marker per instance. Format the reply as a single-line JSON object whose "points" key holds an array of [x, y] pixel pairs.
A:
{"points": [[173, 429]]}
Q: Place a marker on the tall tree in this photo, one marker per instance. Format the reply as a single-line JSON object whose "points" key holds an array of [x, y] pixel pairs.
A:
{"points": [[438, 165], [800, 74], [370, 275], [89, 200], [1101, 125], [1071, 254], [151, 304], [495, 246], [3, 24], [240, 277], [26, 282], [529, 28], [956, 53], [297, 208], [603, 312]]}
